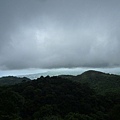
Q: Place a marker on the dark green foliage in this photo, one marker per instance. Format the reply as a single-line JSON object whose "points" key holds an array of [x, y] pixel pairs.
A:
{"points": [[56, 98], [11, 104], [77, 116], [101, 82], [115, 112], [11, 80]]}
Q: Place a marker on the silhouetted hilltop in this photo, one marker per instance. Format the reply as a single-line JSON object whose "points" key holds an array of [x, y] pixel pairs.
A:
{"points": [[11, 80], [101, 82], [92, 72]]}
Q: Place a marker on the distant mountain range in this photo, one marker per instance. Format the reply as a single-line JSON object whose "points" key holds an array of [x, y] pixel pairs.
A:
{"points": [[101, 82], [50, 73]]}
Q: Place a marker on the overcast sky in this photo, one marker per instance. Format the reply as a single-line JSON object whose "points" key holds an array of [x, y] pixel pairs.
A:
{"points": [[49, 34]]}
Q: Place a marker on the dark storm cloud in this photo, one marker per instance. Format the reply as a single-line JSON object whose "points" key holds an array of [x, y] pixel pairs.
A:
{"points": [[59, 33]]}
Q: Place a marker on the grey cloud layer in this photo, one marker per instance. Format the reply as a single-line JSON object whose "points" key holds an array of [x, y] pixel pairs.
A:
{"points": [[59, 33]]}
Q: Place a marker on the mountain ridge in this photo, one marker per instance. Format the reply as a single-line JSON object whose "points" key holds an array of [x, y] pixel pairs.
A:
{"points": [[100, 81], [12, 80]]}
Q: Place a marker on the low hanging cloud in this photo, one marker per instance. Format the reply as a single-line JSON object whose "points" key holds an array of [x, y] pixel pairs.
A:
{"points": [[59, 33]]}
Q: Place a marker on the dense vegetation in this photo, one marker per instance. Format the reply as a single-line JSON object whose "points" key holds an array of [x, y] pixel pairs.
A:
{"points": [[57, 98], [102, 82], [11, 80]]}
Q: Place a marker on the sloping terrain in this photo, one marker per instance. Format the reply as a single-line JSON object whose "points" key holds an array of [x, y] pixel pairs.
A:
{"points": [[11, 80], [101, 82], [56, 98]]}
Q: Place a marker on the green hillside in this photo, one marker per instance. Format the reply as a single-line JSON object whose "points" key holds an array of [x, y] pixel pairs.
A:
{"points": [[11, 80], [92, 95], [56, 98], [101, 82]]}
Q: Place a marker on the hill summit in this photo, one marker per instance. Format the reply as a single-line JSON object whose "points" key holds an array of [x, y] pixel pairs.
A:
{"points": [[101, 82]]}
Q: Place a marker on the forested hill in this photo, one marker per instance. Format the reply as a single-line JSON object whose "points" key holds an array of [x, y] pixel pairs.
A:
{"points": [[102, 82], [56, 98], [11, 80]]}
